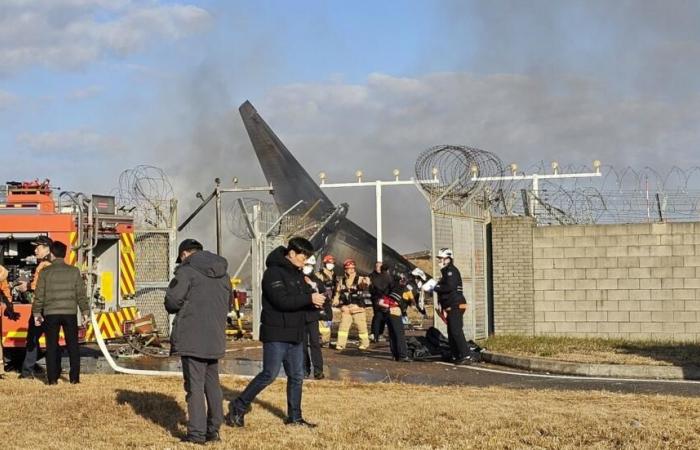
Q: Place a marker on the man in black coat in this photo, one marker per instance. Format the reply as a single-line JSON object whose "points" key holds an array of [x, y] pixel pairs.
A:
{"points": [[286, 298], [452, 301], [199, 296], [380, 286]]}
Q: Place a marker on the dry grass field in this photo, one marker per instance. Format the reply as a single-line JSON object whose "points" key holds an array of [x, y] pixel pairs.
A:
{"points": [[114, 412]]}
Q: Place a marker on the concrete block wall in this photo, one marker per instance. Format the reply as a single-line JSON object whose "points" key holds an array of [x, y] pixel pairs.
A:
{"points": [[513, 287], [634, 281]]}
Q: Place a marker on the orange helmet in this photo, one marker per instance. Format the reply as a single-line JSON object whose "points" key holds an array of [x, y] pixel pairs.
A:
{"points": [[348, 263], [329, 259]]}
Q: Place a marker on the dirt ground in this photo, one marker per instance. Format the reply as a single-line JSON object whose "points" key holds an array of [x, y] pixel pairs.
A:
{"points": [[119, 411]]}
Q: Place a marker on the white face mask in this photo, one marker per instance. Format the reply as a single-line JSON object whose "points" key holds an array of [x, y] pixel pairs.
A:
{"points": [[330, 266], [308, 269]]}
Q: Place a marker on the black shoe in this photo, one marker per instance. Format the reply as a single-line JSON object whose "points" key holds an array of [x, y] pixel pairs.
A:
{"points": [[307, 375], [234, 419], [319, 376], [299, 423], [192, 440], [213, 437], [75, 382], [405, 359], [26, 377]]}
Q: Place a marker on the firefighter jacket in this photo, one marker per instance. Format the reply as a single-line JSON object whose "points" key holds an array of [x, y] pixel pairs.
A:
{"points": [[286, 298], [199, 295], [60, 290], [449, 287], [349, 292]]}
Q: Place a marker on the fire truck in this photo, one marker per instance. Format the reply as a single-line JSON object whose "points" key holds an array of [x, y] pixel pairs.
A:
{"points": [[100, 239]]}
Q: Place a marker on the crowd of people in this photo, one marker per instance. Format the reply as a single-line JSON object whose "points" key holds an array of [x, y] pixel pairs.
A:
{"points": [[298, 304], [57, 293]]}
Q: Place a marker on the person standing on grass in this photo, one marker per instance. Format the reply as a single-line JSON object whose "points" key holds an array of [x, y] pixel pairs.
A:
{"points": [[286, 298], [58, 295], [199, 295]]}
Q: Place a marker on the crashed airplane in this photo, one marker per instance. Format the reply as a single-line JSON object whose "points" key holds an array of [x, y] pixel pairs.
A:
{"points": [[336, 234]]}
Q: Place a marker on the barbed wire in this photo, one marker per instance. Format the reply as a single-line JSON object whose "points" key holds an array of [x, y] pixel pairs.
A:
{"points": [[147, 191], [618, 195]]}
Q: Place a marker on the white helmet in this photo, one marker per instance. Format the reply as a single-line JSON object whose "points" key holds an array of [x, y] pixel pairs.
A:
{"points": [[418, 273], [311, 261], [445, 253]]}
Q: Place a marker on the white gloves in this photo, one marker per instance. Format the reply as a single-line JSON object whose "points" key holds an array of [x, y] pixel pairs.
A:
{"points": [[429, 285]]}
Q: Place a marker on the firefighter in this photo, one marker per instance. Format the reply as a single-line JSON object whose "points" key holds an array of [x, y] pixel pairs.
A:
{"points": [[312, 339], [42, 251], [6, 297], [452, 302], [350, 296], [380, 284], [330, 282]]}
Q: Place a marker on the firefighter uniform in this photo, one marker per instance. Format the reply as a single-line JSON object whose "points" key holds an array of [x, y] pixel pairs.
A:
{"points": [[330, 283], [349, 295], [34, 332], [5, 292], [452, 301]]}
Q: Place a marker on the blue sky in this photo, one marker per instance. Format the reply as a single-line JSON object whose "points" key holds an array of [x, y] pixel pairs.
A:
{"points": [[89, 88]]}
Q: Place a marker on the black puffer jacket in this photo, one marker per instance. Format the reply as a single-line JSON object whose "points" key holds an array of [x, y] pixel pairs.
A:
{"points": [[199, 294], [286, 299]]}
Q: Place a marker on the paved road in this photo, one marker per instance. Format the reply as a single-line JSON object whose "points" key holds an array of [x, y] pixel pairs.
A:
{"points": [[243, 358]]}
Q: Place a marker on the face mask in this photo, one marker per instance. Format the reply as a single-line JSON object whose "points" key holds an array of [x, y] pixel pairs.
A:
{"points": [[330, 266], [308, 269]]}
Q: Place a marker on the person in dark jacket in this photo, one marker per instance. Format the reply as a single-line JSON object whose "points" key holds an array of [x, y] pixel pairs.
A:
{"points": [[286, 298], [42, 252], [199, 295], [391, 307], [58, 295], [452, 302], [380, 283], [312, 339]]}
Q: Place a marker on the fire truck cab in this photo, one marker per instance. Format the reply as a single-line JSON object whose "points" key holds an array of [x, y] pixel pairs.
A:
{"points": [[99, 237]]}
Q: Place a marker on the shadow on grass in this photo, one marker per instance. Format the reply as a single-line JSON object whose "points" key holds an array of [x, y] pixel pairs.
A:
{"points": [[683, 355], [230, 395], [161, 409]]}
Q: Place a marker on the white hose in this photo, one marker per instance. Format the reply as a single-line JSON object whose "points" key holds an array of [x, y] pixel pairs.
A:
{"points": [[120, 369]]}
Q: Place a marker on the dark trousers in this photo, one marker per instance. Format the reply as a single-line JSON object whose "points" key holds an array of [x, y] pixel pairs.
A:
{"points": [[276, 354], [397, 338], [32, 355], [202, 383], [312, 349], [379, 318], [455, 332], [69, 322]]}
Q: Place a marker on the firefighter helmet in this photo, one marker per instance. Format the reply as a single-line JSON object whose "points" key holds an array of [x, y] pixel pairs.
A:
{"points": [[348, 263], [329, 259]]}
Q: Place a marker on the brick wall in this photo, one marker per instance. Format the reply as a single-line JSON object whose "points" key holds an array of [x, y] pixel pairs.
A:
{"points": [[513, 287], [638, 281]]}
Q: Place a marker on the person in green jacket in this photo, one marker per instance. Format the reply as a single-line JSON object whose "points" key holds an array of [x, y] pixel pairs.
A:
{"points": [[59, 293]]}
